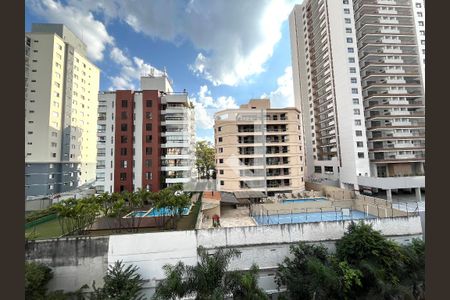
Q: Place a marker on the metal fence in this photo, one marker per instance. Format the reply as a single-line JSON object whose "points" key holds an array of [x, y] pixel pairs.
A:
{"points": [[266, 216]]}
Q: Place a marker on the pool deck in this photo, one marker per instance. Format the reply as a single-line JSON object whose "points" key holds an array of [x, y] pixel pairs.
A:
{"points": [[231, 217]]}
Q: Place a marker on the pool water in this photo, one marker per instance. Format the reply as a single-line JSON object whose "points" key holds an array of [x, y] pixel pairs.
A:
{"points": [[310, 217], [138, 214], [304, 200], [157, 212]]}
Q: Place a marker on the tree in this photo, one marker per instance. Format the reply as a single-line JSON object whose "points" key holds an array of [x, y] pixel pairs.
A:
{"points": [[173, 202], [309, 274], [208, 279], [37, 276], [120, 283], [380, 260], [205, 158], [244, 285]]}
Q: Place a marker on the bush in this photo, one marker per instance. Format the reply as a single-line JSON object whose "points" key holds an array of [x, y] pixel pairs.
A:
{"points": [[37, 276]]}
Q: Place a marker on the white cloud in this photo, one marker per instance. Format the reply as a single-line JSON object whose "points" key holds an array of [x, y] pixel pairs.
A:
{"points": [[283, 96], [206, 106], [117, 56], [130, 70], [82, 23], [234, 38]]}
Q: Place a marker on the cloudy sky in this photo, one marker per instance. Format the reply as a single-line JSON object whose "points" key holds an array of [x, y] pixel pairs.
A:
{"points": [[222, 52]]}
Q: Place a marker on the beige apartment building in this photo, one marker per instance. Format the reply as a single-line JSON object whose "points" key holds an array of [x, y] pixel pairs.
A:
{"points": [[259, 148], [61, 100]]}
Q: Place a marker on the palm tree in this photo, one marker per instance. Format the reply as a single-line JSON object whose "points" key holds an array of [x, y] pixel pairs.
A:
{"points": [[209, 279]]}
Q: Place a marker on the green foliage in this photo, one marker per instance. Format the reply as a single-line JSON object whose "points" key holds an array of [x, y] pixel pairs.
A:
{"points": [[379, 259], [209, 279], [244, 285], [168, 198], [205, 158], [366, 266], [32, 216], [120, 283], [37, 276], [309, 274]]}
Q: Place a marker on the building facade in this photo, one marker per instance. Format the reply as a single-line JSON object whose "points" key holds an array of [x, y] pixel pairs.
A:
{"points": [[259, 148], [358, 79], [61, 99], [146, 138]]}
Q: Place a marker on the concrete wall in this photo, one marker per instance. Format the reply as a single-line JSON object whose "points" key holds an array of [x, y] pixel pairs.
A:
{"points": [[75, 261], [79, 261]]}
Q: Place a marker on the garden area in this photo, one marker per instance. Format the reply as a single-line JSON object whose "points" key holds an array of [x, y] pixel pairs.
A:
{"points": [[116, 213]]}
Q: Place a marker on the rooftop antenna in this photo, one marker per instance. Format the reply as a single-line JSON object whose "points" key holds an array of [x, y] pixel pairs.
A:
{"points": [[165, 71]]}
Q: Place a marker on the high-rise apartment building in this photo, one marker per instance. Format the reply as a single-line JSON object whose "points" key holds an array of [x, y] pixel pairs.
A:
{"points": [[61, 99], [259, 148], [146, 138], [358, 80]]}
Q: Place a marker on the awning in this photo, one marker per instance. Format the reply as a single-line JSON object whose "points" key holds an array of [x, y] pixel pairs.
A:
{"points": [[228, 198], [249, 194]]}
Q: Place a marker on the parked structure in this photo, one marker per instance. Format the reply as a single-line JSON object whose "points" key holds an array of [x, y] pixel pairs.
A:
{"points": [[358, 72], [146, 138], [259, 148], [61, 99]]}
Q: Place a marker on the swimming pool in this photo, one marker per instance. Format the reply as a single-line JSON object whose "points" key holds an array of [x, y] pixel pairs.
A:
{"points": [[304, 200], [310, 217], [138, 214], [157, 212]]}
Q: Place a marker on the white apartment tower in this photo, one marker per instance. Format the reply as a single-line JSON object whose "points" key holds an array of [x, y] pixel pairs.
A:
{"points": [[61, 100], [358, 71], [146, 138]]}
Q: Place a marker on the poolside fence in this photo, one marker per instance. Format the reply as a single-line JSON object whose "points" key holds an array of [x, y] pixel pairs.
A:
{"points": [[270, 214]]}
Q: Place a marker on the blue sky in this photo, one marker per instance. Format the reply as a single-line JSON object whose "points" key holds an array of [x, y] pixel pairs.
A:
{"points": [[222, 52]]}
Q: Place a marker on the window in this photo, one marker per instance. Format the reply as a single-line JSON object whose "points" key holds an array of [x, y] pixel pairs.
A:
{"points": [[220, 139], [356, 111], [350, 50], [221, 172], [349, 40], [317, 169], [123, 164], [418, 5], [148, 103], [148, 163], [221, 182], [148, 150], [123, 151], [54, 145], [422, 32], [354, 90], [347, 21], [148, 115], [328, 170], [358, 132], [422, 42], [348, 30], [221, 161], [419, 14], [352, 70], [360, 154], [355, 101], [53, 154], [123, 127], [123, 139], [353, 80], [54, 134], [219, 128], [351, 60], [359, 144], [421, 23], [50, 166], [220, 150], [148, 138], [148, 126], [124, 103], [346, 11], [345, 1], [123, 176], [123, 115]]}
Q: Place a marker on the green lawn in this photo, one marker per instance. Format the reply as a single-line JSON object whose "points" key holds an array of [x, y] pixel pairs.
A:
{"points": [[50, 229]]}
